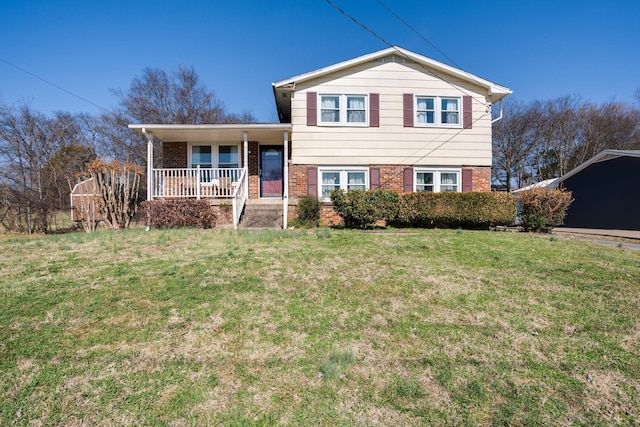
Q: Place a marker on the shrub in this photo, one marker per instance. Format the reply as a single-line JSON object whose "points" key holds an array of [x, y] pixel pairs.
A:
{"points": [[361, 209], [467, 210], [180, 213], [543, 208], [308, 211]]}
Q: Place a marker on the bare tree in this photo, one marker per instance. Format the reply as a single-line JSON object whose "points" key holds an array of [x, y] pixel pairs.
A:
{"points": [[557, 136], [36, 156], [513, 142], [179, 97], [613, 125]]}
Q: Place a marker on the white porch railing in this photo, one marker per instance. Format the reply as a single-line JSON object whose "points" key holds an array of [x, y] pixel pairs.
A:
{"points": [[240, 195], [211, 183]]}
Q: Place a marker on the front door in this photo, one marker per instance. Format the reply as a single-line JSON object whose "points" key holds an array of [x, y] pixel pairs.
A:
{"points": [[271, 170]]}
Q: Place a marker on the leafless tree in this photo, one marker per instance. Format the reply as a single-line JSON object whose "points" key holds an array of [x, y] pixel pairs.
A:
{"points": [[36, 156], [179, 97], [513, 142]]}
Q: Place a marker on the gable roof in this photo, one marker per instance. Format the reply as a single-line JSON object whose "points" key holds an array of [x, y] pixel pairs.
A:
{"points": [[602, 156], [282, 88]]}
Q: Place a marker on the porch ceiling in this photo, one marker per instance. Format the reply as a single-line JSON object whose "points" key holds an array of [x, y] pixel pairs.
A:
{"points": [[266, 132]]}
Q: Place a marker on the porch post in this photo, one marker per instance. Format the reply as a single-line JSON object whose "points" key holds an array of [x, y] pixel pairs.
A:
{"points": [[149, 136], [285, 172], [245, 160]]}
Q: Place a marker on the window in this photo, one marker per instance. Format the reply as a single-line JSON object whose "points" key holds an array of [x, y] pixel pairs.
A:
{"points": [[228, 156], [444, 180], [345, 179], [425, 111], [343, 110], [437, 111], [215, 156], [201, 156]]}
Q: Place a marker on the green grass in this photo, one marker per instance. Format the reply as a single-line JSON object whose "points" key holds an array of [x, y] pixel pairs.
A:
{"points": [[317, 327]]}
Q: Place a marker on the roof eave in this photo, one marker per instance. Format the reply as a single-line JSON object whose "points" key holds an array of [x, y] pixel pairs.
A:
{"points": [[496, 91]]}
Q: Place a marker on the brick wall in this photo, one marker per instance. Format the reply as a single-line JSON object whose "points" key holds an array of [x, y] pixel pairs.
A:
{"points": [[391, 178], [174, 155], [298, 180], [480, 178]]}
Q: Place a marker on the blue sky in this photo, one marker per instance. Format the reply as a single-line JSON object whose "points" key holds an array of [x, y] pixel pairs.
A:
{"points": [[540, 49]]}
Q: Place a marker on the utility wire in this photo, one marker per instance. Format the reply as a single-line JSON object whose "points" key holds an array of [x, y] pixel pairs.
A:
{"points": [[417, 32], [54, 85], [376, 35], [402, 54], [482, 101]]}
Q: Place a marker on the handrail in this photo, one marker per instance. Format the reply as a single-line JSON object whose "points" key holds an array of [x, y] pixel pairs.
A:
{"points": [[239, 198]]}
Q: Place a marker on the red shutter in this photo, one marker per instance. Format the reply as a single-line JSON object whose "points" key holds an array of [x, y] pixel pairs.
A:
{"points": [[312, 109], [407, 108], [312, 181], [467, 116], [374, 178], [374, 110], [407, 180], [467, 180]]}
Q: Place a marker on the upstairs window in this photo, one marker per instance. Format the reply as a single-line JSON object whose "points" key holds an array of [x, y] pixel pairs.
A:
{"points": [[437, 111], [345, 110]]}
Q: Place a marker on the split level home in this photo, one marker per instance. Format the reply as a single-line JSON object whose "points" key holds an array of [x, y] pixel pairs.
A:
{"points": [[391, 119]]}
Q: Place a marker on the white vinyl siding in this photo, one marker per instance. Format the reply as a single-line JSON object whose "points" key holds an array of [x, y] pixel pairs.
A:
{"points": [[391, 142], [437, 180]]}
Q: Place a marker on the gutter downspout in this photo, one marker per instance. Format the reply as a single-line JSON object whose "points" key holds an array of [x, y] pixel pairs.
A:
{"points": [[497, 119]]}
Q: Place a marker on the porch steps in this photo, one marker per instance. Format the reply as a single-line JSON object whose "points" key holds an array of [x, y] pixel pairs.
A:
{"points": [[260, 214]]}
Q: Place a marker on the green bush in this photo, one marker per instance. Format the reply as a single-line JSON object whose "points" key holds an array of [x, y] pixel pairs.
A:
{"points": [[361, 209], [308, 211], [446, 210], [180, 213], [543, 208]]}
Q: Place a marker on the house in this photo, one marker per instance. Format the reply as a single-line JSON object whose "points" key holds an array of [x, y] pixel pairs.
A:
{"points": [[391, 119], [606, 191]]}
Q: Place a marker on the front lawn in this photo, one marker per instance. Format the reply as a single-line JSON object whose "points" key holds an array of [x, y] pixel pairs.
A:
{"points": [[318, 327]]}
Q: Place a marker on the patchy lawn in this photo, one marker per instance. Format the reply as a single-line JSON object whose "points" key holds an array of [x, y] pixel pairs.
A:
{"points": [[320, 327]]}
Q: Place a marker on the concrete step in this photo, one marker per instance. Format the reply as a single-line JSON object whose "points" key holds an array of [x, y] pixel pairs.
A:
{"points": [[262, 216]]}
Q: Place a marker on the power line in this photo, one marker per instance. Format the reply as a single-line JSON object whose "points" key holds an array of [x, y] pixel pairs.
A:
{"points": [[54, 85], [376, 35], [402, 54], [417, 32], [482, 101]]}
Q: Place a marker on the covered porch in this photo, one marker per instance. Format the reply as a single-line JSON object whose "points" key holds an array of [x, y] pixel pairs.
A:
{"points": [[224, 163]]}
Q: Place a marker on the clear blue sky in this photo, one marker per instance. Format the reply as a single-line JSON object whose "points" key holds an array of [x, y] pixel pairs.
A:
{"points": [[540, 49]]}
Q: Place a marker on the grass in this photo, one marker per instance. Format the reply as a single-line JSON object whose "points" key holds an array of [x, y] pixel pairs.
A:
{"points": [[317, 327]]}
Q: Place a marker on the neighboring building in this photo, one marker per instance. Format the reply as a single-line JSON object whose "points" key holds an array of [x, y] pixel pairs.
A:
{"points": [[606, 191], [391, 119]]}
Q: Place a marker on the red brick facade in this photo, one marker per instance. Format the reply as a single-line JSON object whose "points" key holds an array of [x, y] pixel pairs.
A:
{"points": [[481, 178], [174, 155], [391, 178]]}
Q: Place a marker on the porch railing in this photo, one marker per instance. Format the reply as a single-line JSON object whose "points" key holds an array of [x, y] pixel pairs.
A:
{"points": [[240, 195], [213, 183]]}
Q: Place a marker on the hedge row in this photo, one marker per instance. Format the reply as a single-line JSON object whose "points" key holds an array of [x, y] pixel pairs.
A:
{"points": [[361, 209], [179, 213]]}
